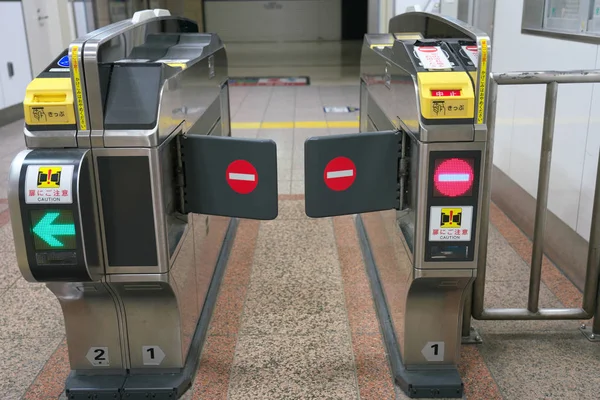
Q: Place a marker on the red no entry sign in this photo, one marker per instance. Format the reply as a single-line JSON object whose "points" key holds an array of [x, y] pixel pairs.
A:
{"points": [[339, 174], [241, 176]]}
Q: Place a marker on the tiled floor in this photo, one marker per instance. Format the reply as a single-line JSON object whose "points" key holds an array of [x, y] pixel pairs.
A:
{"points": [[295, 318]]}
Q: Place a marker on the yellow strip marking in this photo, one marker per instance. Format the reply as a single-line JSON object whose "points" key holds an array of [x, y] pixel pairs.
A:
{"points": [[277, 125], [310, 124], [482, 82], [297, 124], [342, 124], [78, 91], [245, 125]]}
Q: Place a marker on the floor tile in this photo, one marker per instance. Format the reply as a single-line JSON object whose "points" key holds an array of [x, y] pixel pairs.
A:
{"points": [[283, 187], [9, 271], [503, 262], [275, 367], [292, 209], [7, 243], [293, 308], [32, 312], [297, 187], [294, 239], [543, 365], [21, 359]]}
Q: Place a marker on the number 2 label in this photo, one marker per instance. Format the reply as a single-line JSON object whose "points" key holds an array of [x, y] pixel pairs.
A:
{"points": [[98, 356]]}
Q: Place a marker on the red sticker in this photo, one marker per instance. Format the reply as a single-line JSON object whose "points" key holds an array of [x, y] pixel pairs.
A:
{"points": [[339, 174], [241, 176]]}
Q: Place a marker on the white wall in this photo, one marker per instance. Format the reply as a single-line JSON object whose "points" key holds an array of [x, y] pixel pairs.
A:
{"points": [[400, 5], [520, 110], [290, 20], [48, 37]]}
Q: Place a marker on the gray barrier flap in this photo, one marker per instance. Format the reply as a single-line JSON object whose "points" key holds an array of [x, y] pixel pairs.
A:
{"points": [[230, 177], [350, 174]]}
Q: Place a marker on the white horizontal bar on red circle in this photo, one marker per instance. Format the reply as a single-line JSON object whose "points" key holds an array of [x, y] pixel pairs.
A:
{"points": [[454, 177], [242, 177], [340, 174]]}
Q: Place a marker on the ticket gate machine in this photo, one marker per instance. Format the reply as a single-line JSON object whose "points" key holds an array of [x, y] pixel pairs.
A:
{"points": [[122, 201], [415, 174]]}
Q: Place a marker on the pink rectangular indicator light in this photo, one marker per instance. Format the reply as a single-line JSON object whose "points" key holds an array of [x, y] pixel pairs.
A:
{"points": [[446, 93]]}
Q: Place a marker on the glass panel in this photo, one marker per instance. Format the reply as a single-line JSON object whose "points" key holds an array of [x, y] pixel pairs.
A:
{"points": [[563, 15], [594, 22]]}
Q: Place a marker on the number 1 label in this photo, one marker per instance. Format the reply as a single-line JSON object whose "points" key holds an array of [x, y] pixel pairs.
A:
{"points": [[433, 351], [152, 355]]}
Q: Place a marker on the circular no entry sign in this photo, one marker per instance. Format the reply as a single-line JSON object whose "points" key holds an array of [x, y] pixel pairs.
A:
{"points": [[241, 176], [339, 174], [427, 49]]}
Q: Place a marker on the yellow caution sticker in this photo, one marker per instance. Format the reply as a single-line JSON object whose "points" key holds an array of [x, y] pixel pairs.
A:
{"points": [[451, 224], [450, 217], [482, 82], [78, 89], [49, 177]]}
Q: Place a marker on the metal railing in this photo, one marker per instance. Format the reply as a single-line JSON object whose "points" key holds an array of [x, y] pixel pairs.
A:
{"points": [[591, 297]]}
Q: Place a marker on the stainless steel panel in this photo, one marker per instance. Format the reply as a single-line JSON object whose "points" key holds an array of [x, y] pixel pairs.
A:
{"points": [[153, 319], [91, 320], [184, 99], [14, 206], [434, 307], [50, 139]]}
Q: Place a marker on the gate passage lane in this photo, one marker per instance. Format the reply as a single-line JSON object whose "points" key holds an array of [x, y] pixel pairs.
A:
{"points": [[253, 344]]}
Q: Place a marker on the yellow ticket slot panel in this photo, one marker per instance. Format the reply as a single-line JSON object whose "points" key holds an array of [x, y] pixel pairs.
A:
{"points": [[446, 95], [48, 103]]}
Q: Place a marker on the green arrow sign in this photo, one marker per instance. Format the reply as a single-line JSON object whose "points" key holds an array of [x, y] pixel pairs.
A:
{"points": [[48, 231]]}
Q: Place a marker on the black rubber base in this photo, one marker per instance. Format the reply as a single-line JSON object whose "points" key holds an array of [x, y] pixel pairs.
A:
{"points": [[168, 386], [430, 383]]}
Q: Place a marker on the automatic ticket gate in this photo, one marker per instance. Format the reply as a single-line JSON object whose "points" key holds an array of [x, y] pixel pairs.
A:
{"points": [[121, 203], [415, 175]]}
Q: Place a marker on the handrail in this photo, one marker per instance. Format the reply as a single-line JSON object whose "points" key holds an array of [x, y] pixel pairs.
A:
{"points": [[589, 305]]}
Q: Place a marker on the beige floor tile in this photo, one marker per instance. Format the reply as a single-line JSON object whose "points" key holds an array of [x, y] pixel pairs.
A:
{"points": [[21, 359], [543, 365], [503, 262], [318, 366], [283, 186], [31, 312], [297, 187], [293, 308], [9, 271], [7, 243]]}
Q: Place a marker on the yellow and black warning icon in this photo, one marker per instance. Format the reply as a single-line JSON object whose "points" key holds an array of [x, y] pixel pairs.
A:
{"points": [[49, 177], [451, 217]]}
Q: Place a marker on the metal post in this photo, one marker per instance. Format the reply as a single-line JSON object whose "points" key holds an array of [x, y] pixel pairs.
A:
{"points": [[466, 322], [486, 198], [594, 259], [590, 290], [542, 196]]}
